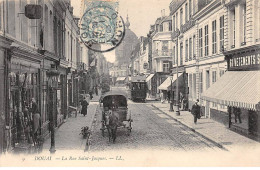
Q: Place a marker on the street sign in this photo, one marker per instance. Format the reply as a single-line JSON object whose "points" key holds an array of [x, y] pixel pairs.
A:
{"points": [[33, 11]]}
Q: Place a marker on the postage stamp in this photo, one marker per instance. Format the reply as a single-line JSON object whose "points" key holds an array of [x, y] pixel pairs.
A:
{"points": [[101, 25]]}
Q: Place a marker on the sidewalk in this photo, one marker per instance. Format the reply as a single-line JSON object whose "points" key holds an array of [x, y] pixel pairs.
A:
{"points": [[210, 129], [67, 135], [96, 97]]}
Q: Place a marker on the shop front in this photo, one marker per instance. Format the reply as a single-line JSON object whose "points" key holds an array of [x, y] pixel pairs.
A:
{"points": [[62, 106], [23, 84], [238, 90], [4, 64], [169, 87]]}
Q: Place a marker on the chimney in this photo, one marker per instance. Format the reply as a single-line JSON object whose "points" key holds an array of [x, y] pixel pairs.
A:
{"points": [[163, 13]]}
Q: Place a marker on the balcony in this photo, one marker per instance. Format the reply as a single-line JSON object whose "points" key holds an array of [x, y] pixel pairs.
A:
{"points": [[82, 66], [160, 54], [187, 26]]}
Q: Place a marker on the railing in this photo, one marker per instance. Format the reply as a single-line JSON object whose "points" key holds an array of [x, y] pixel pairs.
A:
{"points": [[187, 26], [81, 66], [158, 53]]}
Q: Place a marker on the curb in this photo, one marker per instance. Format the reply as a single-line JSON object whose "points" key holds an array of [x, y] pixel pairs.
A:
{"points": [[192, 129], [91, 126]]}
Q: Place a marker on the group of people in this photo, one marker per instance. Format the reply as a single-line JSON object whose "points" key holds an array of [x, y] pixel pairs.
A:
{"points": [[183, 102], [196, 112]]}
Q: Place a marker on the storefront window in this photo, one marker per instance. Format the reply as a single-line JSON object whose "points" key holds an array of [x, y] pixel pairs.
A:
{"points": [[58, 102], [190, 86]]}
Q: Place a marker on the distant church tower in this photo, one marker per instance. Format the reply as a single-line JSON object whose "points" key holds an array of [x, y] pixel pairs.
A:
{"points": [[124, 50]]}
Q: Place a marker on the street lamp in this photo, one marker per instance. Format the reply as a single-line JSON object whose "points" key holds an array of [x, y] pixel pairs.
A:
{"points": [[171, 99], [176, 35], [53, 85]]}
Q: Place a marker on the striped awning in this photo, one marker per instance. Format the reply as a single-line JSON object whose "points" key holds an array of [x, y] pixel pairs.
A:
{"points": [[236, 88], [167, 83], [120, 78], [148, 81], [149, 77]]}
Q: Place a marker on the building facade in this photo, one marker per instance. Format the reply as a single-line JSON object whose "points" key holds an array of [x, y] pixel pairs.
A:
{"points": [[237, 89], [162, 52], [32, 48]]}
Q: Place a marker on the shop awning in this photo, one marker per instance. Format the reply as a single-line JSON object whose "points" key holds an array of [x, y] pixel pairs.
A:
{"points": [[167, 83], [120, 79], [149, 77], [148, 81], [236, 88]]}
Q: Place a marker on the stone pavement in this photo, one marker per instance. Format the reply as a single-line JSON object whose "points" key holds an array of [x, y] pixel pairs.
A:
{"points": [[67, 135], [210, 129]]}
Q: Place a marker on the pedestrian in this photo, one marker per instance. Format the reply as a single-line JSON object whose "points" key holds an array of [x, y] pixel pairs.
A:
{"points": [[96, 90], [161, 97], [168, 96], [35, 115], [237, 112], [196, 111], [84, 104], [91, 94], [185, 103]]}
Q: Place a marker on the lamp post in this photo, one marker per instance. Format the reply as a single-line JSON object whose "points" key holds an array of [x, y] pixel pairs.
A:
{"points": [[52, 83], [171, 99], [177, 33]]}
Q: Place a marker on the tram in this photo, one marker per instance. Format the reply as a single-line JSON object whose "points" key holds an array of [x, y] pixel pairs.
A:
{"points": [[137, 88]]}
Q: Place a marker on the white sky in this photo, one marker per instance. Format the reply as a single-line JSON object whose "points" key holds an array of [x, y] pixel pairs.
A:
{"points": [[142, 14]]}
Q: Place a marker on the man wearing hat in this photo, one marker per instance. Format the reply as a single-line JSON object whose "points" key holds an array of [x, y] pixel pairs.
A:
{"points": [[196, 111]]}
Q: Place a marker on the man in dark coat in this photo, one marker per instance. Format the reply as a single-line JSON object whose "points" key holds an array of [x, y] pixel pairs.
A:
{"points": [[84, 104], [196, 111], [96, 90]]}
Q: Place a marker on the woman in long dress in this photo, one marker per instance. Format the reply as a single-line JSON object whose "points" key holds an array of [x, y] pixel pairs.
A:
{"points": [[84, 104]]}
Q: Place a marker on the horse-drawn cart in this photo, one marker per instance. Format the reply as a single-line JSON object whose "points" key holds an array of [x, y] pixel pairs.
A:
{"points": [[115, 114]]}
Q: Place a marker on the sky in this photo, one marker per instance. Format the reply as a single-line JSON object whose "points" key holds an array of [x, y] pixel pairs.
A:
{"points": [[141, 13]]}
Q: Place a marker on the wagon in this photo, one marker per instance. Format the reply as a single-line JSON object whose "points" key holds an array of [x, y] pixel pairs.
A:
{"points": [[115, 102]]}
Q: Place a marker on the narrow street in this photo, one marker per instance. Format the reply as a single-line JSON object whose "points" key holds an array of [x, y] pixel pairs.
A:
{"points": [[152, 130]]}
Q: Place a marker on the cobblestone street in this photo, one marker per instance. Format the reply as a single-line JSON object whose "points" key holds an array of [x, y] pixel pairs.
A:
{"points": [[153, 130]]}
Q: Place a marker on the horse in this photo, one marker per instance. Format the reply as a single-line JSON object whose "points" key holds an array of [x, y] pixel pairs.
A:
{"points": [[112, 122]]}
